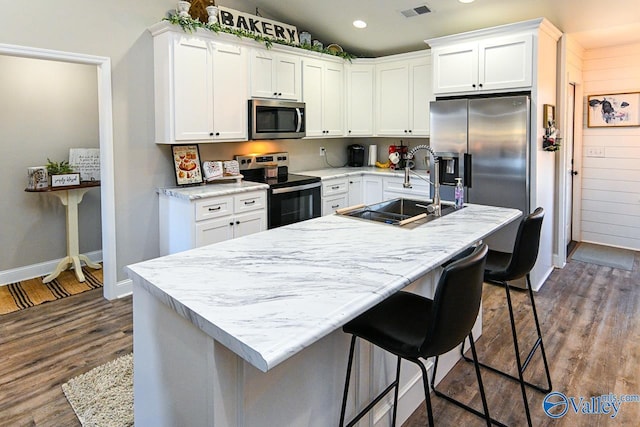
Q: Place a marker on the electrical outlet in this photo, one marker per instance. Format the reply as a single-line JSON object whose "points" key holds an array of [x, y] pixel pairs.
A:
{"points": [[595, 152], [323, 152]]}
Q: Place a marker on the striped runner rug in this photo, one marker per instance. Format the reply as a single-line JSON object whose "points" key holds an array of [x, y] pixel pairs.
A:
{"points": [[32, 292]]}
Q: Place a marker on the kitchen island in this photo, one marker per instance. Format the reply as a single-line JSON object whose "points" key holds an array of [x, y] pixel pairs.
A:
{"points": [[247, 332]]}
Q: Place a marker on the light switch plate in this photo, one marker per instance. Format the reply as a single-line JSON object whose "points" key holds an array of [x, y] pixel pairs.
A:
{"points": [[595, 151]]}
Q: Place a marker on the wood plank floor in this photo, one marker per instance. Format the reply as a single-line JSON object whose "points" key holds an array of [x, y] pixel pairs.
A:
{"points": [[590, 318], [44, 346]]}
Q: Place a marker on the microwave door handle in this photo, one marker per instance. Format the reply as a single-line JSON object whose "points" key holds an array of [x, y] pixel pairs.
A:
{"points": [[299, 125]]}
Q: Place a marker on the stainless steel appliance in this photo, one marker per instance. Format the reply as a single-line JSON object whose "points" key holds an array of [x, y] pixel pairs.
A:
{"points": [[485, 141], [355, 155], [274, 119], [291, 197]]}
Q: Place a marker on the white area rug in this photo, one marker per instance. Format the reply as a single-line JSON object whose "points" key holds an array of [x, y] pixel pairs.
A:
{"points": [[604, 255], [103, 397]]}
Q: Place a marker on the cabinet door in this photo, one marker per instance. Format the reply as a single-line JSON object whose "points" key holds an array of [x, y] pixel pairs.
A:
{"points": [[360, 100], [392, 116], [230, 92], [455, 68], [262, 70], [355, 190], [506, 62], [213, 231], [249, 223], [192, 81], [333, 99], [288, 77], [312, 96], [421, 95], [372, 189]]}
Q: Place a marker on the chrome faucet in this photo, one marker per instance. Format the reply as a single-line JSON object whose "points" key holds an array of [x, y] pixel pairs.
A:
{"points": [[436, 204]]}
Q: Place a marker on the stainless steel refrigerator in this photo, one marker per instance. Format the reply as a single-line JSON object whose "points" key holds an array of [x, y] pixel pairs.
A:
{"points": [[485, 141]]}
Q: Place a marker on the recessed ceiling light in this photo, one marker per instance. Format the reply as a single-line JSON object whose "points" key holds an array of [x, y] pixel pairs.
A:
{"points": [[466, 1], [359, 24]]}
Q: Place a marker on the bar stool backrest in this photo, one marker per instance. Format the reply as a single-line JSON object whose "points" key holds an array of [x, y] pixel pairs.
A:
{"points": [[525, 248], [456, 303]]}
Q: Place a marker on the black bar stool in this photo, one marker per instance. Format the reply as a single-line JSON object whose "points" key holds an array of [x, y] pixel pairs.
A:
{"points": [[412, 327], [504, 267]]}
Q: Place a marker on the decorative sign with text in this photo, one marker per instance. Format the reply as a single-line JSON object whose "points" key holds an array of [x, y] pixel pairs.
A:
{"points": [[85, 161], [65, 180], [257, 25]]}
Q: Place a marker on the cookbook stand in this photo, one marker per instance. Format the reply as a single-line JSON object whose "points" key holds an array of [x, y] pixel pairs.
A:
{"points": [[71, 198]]}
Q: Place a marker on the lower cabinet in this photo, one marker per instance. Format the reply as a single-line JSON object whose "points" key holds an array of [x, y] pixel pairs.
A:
{"points": [[187, 224], [356, 196], [335, 195], [393, 187]]}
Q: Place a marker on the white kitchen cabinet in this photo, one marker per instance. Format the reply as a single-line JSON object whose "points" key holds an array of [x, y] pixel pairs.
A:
{"points": [[393, 187], [360, 99], [335, 195], [356, 195], [187, 224], [200, 89], [403, 96], [323, 93], [371, 189], [275, 75], [486, 65]]}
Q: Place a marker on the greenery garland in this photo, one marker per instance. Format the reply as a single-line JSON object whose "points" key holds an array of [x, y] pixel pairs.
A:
{"points": [[189, 25]]}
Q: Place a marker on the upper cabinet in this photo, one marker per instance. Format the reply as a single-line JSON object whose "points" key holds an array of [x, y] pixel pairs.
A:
{"points": [[200, 89], [275, 75], [403, 96], [488, 64], [323, 94], [360, 99]]}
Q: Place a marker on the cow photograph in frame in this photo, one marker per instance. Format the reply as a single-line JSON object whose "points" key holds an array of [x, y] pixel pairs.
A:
{"points": [[186, 161], [613, 110]]}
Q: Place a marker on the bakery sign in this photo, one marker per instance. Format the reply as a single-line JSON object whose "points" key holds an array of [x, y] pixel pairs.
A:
{"points": [[257, 25]]}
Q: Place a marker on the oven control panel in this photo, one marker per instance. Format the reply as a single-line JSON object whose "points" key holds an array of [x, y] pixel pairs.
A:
{"points": [[257, 161]]}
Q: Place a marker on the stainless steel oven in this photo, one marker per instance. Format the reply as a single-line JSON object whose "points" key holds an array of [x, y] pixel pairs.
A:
{"points": [[291, 197]]}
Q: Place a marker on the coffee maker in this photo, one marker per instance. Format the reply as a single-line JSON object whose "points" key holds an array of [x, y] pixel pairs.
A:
{"points": [[355, 155]]}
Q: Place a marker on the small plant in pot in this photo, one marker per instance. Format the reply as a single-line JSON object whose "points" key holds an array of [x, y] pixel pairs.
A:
{"points": [[58, 168]]}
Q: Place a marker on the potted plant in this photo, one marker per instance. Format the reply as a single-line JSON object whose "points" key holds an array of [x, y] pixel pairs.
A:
{"points": [[61, 174]]}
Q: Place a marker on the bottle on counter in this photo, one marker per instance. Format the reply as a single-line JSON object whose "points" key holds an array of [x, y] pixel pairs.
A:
{"points": [[459, 194]]}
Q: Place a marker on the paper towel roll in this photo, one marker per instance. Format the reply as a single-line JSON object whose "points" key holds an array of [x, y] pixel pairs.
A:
{"points": [[373, 155]]}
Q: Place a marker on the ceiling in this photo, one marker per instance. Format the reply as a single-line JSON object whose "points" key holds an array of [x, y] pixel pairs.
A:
{"points": [[594, 23]]}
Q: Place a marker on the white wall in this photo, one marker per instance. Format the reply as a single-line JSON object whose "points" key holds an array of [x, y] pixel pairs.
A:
{"points": [[46, 108], [611, 184]]}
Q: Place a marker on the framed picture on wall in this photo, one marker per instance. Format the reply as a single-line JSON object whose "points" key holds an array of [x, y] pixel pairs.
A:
{"points": [[186, 161], [613, 110]]}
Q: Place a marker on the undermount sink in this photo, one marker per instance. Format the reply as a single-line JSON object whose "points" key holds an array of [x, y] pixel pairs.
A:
{"points": [[397, 211]]}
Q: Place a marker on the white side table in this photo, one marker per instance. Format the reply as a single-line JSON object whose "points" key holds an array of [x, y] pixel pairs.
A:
{"points": [[71, 198]]}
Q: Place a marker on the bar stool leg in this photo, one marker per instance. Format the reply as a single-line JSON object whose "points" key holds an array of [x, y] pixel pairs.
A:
{"points": [[544, 354], [346, 383], [395, 397], [427, 391], [517, 352], [485, 406]]}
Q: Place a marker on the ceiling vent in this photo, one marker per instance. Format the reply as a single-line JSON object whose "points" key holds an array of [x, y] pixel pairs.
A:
{"points": [[418, 10]]}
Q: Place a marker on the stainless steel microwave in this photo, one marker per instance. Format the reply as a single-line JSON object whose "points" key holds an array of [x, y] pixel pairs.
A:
{"points": [[275, 119]]}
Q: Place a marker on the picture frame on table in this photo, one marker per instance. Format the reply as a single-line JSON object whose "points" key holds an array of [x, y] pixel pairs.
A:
{"points": [[186, 162], [613, 110]]}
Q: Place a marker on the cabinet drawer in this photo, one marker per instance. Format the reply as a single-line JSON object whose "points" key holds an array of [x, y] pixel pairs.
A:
{"points": [[332, 187], [330, 205], [214, 207], [249, 201]]}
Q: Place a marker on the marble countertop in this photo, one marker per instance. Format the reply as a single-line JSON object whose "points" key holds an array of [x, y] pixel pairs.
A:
{"points": [[269, 295], [212, 190]]}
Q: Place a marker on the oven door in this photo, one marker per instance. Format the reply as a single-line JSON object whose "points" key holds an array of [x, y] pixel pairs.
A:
{"points": [[288, 205]]}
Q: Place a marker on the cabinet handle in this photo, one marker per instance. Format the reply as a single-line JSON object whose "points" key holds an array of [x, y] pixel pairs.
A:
{"points": [[279, 93], [237, 222], [210, 133], [217, 208], [480, 85], [231, 224], [335, 187], [473, 85], [410, 131], [249, 203], [350, 182], [275, 93], [349, 130], [405, 131], [217, 133], [335, 206]]}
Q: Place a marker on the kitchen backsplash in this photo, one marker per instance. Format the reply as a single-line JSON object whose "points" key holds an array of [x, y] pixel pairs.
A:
{"points": [[304, 154]]}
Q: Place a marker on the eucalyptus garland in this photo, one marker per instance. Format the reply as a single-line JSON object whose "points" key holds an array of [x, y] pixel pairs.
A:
{"points": [[189, 25]]}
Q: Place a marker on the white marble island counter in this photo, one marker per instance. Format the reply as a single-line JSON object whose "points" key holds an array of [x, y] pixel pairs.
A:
{"points": [[269, 296]]}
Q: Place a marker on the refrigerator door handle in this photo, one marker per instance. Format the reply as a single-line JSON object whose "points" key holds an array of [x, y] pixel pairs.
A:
{"points": [[467, 170]]}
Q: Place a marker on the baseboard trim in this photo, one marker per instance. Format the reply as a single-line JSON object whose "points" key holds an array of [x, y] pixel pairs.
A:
{"points": [[124, 288], [37, 270]]}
